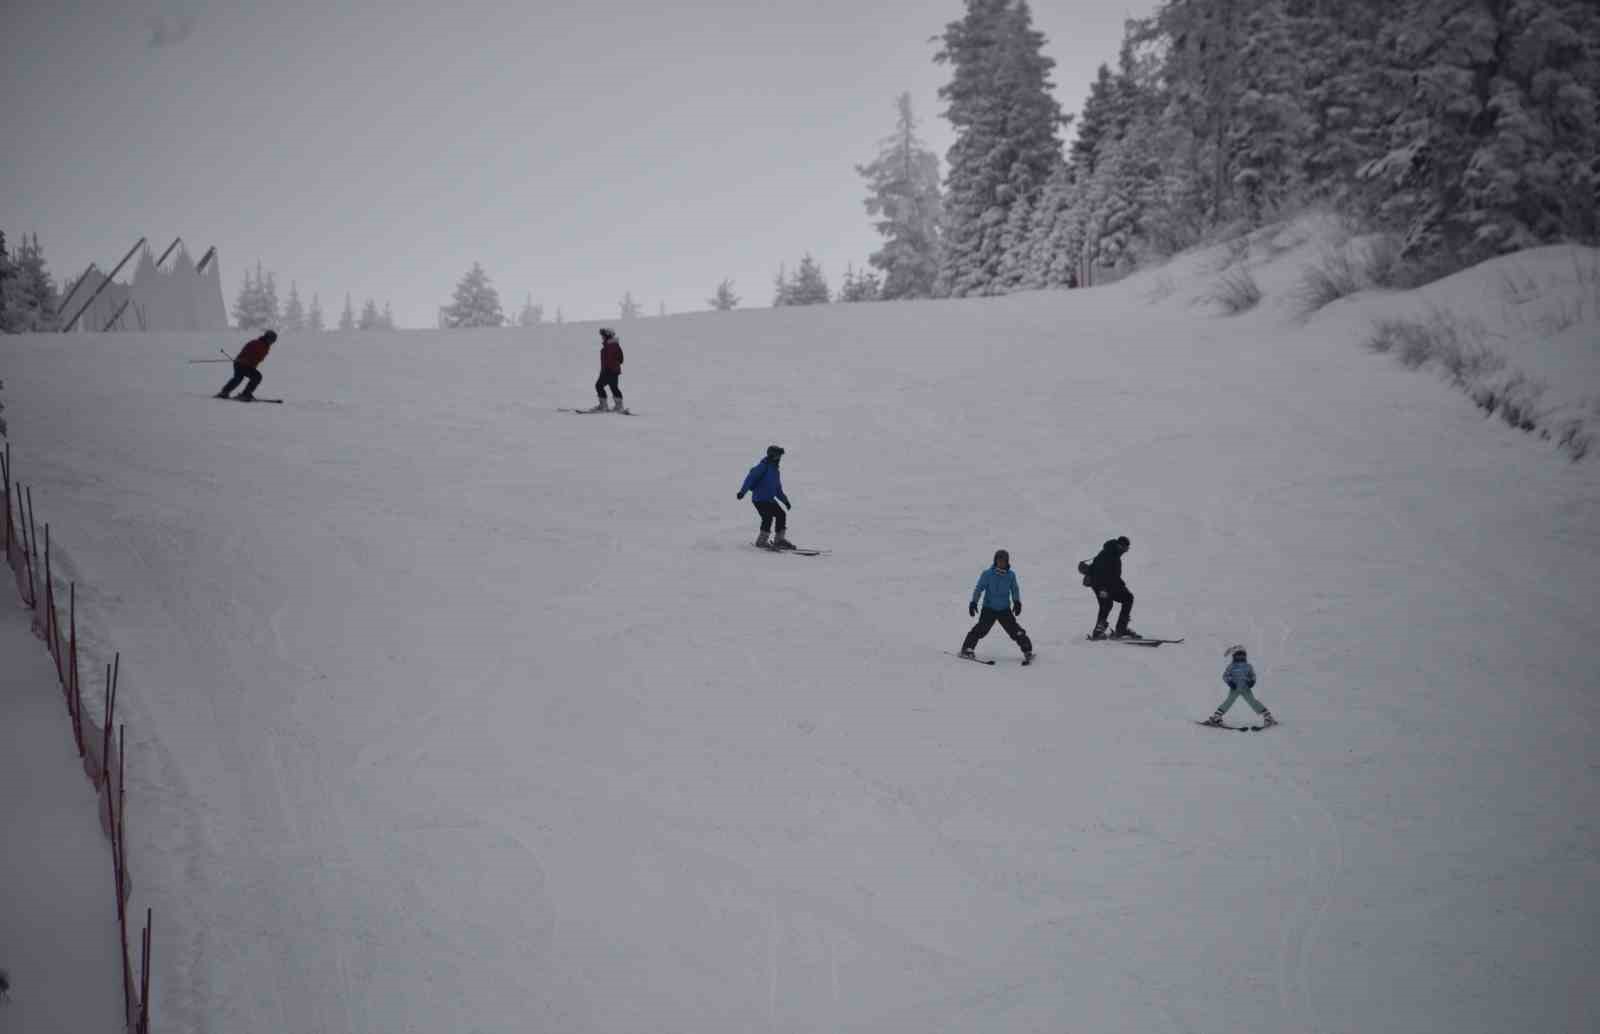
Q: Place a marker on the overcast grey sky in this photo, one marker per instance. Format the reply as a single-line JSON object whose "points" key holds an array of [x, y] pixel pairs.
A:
{"points": [[577, 149]]}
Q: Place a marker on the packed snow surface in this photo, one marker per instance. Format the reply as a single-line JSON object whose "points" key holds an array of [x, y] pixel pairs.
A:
{"points": [[452, 711]]}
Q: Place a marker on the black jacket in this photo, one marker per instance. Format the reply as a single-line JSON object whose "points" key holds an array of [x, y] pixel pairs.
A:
{"points": [[1105, 570]]}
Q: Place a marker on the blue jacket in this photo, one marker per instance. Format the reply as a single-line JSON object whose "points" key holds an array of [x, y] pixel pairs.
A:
{"points": [[764, 483], [998, 588], [1240, 672]]}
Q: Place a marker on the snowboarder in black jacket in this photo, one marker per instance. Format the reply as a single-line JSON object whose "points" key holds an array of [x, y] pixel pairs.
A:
{"points": [[1104, 576]]}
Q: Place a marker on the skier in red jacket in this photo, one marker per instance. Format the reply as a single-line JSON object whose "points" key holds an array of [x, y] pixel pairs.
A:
{"points": [[610, 370], [244, 366]]}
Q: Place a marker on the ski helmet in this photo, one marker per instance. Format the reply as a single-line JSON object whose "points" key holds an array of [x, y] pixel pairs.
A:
{"points": [[1123, 541], [270, 336], [774, 452]]}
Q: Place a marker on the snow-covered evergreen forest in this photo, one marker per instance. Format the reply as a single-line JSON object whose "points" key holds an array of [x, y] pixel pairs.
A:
{"points": [[1465, 128]]}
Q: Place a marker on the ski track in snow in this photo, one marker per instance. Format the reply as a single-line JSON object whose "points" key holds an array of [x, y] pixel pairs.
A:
{"points": [[458, 715]]}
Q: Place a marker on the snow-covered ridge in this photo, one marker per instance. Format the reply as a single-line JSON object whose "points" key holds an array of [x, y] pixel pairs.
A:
{"points": [[467, 713]]}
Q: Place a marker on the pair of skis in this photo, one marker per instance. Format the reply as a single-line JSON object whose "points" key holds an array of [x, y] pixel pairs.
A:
{"points": [[991, 662], [230, 398], [797, 551], [622, 412], [1234, 728], [1140, 641]]}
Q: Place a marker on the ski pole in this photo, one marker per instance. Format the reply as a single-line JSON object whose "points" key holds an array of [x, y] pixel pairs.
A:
{"points": [[209, 360]]}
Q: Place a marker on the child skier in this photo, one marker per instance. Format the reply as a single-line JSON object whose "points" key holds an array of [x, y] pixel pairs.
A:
{"points": [[610, 371], [1103, 574], [1002, 602], [244, 367], [1241, 679], [765, 486]]}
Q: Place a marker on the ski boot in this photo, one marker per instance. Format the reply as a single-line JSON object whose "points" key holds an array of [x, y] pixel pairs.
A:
{"points": [[1125, 633], [762, 541], [1098, 633], [246, 397], [599, 407], [222, 395], [1215, 719], [1027, 657], [1267, 721], [782, 543], [969, 655]]}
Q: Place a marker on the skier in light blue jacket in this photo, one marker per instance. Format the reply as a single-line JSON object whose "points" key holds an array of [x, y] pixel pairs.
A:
{"points": [[1240, 678], [1002, 601]]}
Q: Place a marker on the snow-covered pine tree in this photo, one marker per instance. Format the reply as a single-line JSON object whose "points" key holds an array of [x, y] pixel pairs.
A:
{"points": [[388, 317], [782, 288], [270, 310], [247, 304], [39, 299], [1006, 121], [476, 303], [314, 315], [294, 314], [10, 316], [724, 299], [1531, 179], [864, 286], [809, 286], [370, 318], [628, 307], [1045, 232], [903, 181], [531, 315], [347, 318], [1345, 94]]}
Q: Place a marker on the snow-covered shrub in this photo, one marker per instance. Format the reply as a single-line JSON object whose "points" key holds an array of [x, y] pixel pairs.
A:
{"points": [[1385, 265], [1237, 292], [1333, 276]]}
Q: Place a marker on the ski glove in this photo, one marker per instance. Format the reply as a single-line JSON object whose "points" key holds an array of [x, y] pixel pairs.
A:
{"points": [[1102, 594], [972, 610], [739, 496], [1016, 608]]}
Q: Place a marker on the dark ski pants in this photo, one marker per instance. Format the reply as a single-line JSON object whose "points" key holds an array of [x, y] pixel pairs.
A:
{"points": [[986, 620], [242, 372], [608, 379], [771, 511], [1118, 595]]}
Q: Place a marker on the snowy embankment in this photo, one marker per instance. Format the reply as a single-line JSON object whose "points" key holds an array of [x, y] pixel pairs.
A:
{"points": [[58, 911], [457, 712]]}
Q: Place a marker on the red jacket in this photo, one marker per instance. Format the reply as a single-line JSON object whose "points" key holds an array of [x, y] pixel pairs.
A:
{"points": [[253, 352], [611, 356]]}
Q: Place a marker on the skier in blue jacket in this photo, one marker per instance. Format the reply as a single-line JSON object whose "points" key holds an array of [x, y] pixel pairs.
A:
{"points": [[1002, 601], [1240, 679], [765, 487]]}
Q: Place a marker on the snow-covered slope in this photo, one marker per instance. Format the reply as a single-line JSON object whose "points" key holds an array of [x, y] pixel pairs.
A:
{"points": [[457, 712]]}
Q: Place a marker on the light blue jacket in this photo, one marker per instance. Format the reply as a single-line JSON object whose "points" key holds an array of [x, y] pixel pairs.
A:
{"points": [[1238, 674], [998, 588]]}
